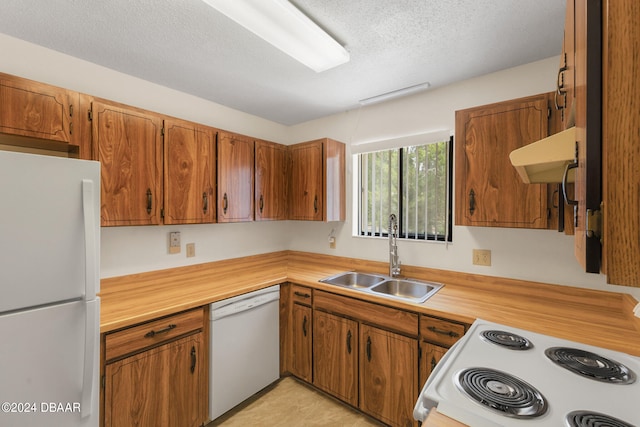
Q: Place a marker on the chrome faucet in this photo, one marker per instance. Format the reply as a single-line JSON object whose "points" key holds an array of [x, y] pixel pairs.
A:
{"points": [[394, 260]]}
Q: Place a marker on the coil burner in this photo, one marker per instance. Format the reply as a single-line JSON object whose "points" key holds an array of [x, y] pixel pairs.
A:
{"points": [[593, 419], [591, 365], [501, 392], [506, 339]]}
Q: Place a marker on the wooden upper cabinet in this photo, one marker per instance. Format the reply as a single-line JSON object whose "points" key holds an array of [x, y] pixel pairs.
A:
{"points": [[317, 181], [489, 191], [565, 83], [270, 181], [235, 177], [36, 110], [128, 143], [621, 142], [189, 173]]}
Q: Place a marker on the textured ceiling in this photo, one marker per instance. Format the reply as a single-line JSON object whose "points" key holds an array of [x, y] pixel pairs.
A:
{"points": [[188, 46]]}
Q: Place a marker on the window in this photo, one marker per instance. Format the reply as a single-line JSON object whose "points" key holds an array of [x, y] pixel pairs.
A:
{"points": [[414, 182]]}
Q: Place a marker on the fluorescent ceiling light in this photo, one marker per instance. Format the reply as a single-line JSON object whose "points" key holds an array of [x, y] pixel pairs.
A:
{"points": [[281, 24], [395, 94]]}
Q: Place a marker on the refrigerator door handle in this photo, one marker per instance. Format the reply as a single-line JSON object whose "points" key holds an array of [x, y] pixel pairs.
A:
{"points": [[91, 344], [90, 239]]}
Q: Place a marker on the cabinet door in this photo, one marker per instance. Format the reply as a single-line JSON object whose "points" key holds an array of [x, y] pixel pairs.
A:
{"points": [[489, 191], [431, 355], [621, 143], [302, 342], [235, 177], [129, 147], [306, 181], [271, 181], [388, 375], [189, 173], [36, 110], [335, 356], [158, 387]]}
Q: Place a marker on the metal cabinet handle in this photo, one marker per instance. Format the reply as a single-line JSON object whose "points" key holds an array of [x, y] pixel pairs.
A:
{"points": [[451, 334], [261, 203], [300, 294], [205, 202], [472, 202], [567, 200], [349, 342], [434, 362], [149, 201], [153, 333], [193, 359], [304, 326], [225, 203], [369, 349], [315, 204]]}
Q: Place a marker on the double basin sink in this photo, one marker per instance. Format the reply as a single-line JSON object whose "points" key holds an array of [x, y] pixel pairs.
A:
{"points": [[402, 289]]}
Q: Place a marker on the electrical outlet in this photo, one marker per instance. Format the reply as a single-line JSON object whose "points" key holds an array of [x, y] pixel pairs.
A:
{"points": [[482, 257], [332, 242], [191, 250], [174, 242]]}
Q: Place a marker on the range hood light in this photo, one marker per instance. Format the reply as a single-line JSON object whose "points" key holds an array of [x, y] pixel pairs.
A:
{"points": [[544, 161]]}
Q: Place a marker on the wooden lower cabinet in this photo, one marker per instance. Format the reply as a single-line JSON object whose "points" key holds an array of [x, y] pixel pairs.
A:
{"points": [[302, 342], [156, 373], [430, 356], [335, 356], [388, 375]]}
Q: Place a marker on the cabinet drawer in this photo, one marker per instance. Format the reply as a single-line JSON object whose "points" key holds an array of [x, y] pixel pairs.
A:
{"points": [[302, 294], [440, 331], [149, 334]]}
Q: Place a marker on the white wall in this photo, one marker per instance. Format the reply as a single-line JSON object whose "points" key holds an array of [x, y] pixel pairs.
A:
{"points": [[536, 255], [544, 256]]}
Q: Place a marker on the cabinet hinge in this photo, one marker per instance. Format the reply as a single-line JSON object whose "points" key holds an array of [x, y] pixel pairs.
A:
{"points": [[90, 115], [594, 223]]}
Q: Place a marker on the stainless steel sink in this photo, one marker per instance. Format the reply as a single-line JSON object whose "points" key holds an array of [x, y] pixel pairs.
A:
{"points": [[352, 279], [407, 290]]}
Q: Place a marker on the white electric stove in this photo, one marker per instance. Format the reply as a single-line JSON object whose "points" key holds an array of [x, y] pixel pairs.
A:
{"points": [[497, 375]]}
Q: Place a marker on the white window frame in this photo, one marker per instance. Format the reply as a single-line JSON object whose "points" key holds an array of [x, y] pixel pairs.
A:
{"points": [[380, 226]]}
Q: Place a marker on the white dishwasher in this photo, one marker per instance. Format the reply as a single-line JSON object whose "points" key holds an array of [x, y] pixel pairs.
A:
{"points": [[244, 349]]}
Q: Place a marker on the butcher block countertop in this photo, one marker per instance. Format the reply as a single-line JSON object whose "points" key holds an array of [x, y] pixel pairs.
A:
{"points": [[593, 317]]}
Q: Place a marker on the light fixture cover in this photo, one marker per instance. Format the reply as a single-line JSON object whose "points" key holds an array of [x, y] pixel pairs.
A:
{"points": [[284, 26], [396, 94]]}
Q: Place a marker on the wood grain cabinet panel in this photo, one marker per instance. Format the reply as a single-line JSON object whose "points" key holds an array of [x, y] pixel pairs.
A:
{"points": [[235, 177], [388, 375], [158, 387], [128, 144], [302, 342], [189, 173], [317, 181], [489, 191], [156, 373], [271, 181], [335, 356], [37, 110]]}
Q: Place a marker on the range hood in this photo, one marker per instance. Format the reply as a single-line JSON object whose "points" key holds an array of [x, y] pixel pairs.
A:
{"points": [[545, 161]]}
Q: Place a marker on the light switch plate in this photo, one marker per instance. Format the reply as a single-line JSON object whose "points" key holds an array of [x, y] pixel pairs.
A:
{"points": [[174, 242]]}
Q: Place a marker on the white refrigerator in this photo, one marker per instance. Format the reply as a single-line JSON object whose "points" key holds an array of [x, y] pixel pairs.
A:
{"points": [[49, 278]]}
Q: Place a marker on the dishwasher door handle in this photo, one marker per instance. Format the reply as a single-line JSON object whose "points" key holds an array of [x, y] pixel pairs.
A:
{"points": [[243, 305]]}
